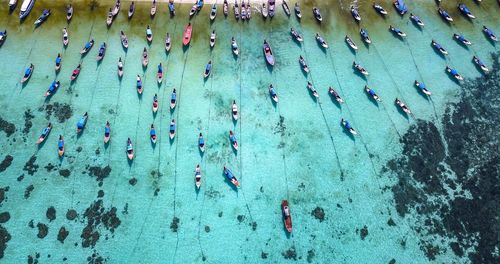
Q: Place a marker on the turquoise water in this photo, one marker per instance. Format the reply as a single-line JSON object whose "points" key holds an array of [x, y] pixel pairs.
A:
{"points": [[294, 150]]}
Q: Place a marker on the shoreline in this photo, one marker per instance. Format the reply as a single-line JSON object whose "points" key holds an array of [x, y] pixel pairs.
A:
{"points": [[209, 2]]}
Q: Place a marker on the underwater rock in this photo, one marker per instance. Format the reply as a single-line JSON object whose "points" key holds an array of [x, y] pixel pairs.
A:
{"points": [[3, 190], [63, 233], [28, 116], [71, 214], [207, 229], [392, 261], [240, 218], [50, 167], [62, 112], [175, 224], [97, 217], [391, 222], [264, 255], [318, 213], [20, 178], [290, 253], [30, 166], [132, 181], [99, 172], [310, 255], [220, 214], [4, 217], [4, 238], [364, 232], [65, 173], [425, 170], [100, 194], [51, 213], [28, 191], [7, 161], [43, 230], [7, 127], [253, 225], [79, 149]]}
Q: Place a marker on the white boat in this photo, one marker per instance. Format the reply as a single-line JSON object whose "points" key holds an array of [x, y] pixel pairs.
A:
{"points": [[234, 110], [65, 38], [26, 8], [197, 177], [116, 8], [12, 5], [212, 39], [168, 43], [213, 12], [153, 8]]}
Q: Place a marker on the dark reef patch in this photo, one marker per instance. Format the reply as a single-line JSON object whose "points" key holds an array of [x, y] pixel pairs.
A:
{"points": [[466, 154], [65, 173], [207, 229], [363, 232], [240, 218], [51, 213], [43, 230], [28, 116], [7, 161], [30, 167], [4, 238], [97, 220], [3, 190], [28, 190], [175, 224], [63, 233], [290, 253], [4, 217], [62, 112], [132, 181], [98, 172], [310, 255], [71, 214], [7, 127], [318, 213]]}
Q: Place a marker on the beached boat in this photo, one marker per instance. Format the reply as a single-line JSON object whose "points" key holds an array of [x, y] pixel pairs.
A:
{"points": [[400, 7], [145, 57], [153, 9], [120, 67], [234, 47], [212, 39], [233, 140], [76, 72], [168, 42], [201, 143], [465, 11], [230, 176], [12, 5], [264, 11], [152, 134], [359, 68], [445, 15], [273, 94], [131, 10], [321, 41], [243, 11], [187, 34], [317, 14], [350, 42], [225, 8], [197, 177], [397, 31], [348, 126], [45, 133], [102, 51], [139, 86], [422, 88], [462, 39], [87, 47], [296, 35], [380, 9], [109, 18], [287, 217], [335, 95], [107, 132], [303, 64], [3, 36], [27, 73], [60, 146], [116, 8], [69, 12], [480, 64], [298, 12], [355, 14], [416, 20], [490, 33], [249, 10], [268, 52], [454, 73], [402, 106], [130, 149], [155, 103], [213, 12], [365, 36], [52, 88], [26, 8], [171, 8], [271, 4], [58, 62], [208, 69], [173, 99], [124, 40], [439, 48], [311, 89], [285, 8], [234, 110], [80, 125], [65, 37], [43, 17], [149, 34], [372, 93], [159, 74], [171, 130], [236, 10]]}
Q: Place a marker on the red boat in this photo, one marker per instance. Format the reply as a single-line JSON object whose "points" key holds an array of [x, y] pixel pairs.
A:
{"points": [[287, 218], [187, 34]]}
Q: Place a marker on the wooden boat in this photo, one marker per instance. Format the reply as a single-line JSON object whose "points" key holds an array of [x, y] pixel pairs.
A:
{"points": [[365, 36], [348, 126], [236, 10], [229, 175], [249, 10], [28, 73], [168, 42], [317, 14], [271, 7], [120, 67], [172, 128], [145, 59], [445, 15], [233, 140], [116, 8], [234, 110], [43, 17], [3, 37], [152, 134], [107, 132], [273, 94], [26, 8], [355, 14], [321, 41], [380, 9], [159, 75], [140, 88], [285, 8], [287, 218], [173, 99], [80, 125], [197, 177], [208, 69], [149, 34], [153, 9], [298, 12], [265, 12], [225, 8], [60, 146], [234, 47], [201, 143], [109, 19], [65, 37], [12, 5], [351, 43], [303, 64], [212, 39], [422, 88], [397, 31], [76, 72], [102, 52], [311, 89], [416, 20], [372, 93], [402, 106], [87, 47], [335, 95], [439, 48], [268, 52], [171, 8], [45, 133], [480, 64], [296, 35], [69, 12], [58, 62], [155, 103], [124, 40], [130, 149], [359, 68], [187, 34], [213, 12], [454, 73], [131, 10], [52, 88]]}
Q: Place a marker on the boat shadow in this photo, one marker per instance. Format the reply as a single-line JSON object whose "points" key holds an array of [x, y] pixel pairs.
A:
{"points": [[269, 68], [153, 144], [452, 78], [185, 48], [373, 101], [438, 53], [359, 74], [462, 44], [228, 182], [349, 134], [492, 42], [403, 113], [339, 105], [426, 97]]}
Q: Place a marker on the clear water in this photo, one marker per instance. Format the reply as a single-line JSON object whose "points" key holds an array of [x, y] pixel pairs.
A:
{"points": [[295, 150]]}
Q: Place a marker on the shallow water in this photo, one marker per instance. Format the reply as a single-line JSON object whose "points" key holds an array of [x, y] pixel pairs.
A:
{"points": [[294, 150]]}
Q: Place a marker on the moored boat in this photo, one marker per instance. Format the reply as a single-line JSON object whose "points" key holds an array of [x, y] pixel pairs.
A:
{"points": [[233, 140], [116, 8], [397, 31], [26, 8], [296, 35], [102, 51], [173, 99], [421, 86], [3, 36], [131, 10], [365, 36], [273, 94], [230, 176], [372, 93], [350, 42], [298, 12], [212, 39], [400, 7], [271, 7], [172, 129], [465, 11], [379, 9], [208, 69], [80, 125], [120, 67], [234, 110], [43, 17], [171, 8], [462, 39], [130, 149], [490, 33], [439, 48], [27, 73], [109, 18], [152, 134], [65, 38], [480, 64], [69, 12], [454, 73], [285, 8], [225, 8], [402, 106], [187, 34], [335, 95], [359, 68], [321, 41], [355, 13], [348, 126], [213, 12], [268, 52], [445, 15], [243, 11], [287, 217], [153, 9], [60, 146], [168, 42], [145, 58], [107, 132], [311, 89], [236, 10], [193, 10], [124, 40], [197, 177], [149, 34], [303, 64], [87, 47], [264, 11], [159, 74], [76, 72], [140, 88], [155, 103], [317, 14], [201, 143], [249, 10], [52, 88], [58, 62], [45, 133], [12, 5], [416, 20], [234, 47]]}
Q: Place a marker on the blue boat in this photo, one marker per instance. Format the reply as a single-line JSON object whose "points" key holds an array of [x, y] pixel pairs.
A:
{"points": [[81, 123], [171, 8], [465, 11], [26, 8], [365, 36], [45, 14], [422, 88], [201, 143], [486, 31], [208, 69], [53, 88], [348, 126], [229, 175], [400, 6], [27, 73], [355, 14]]}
